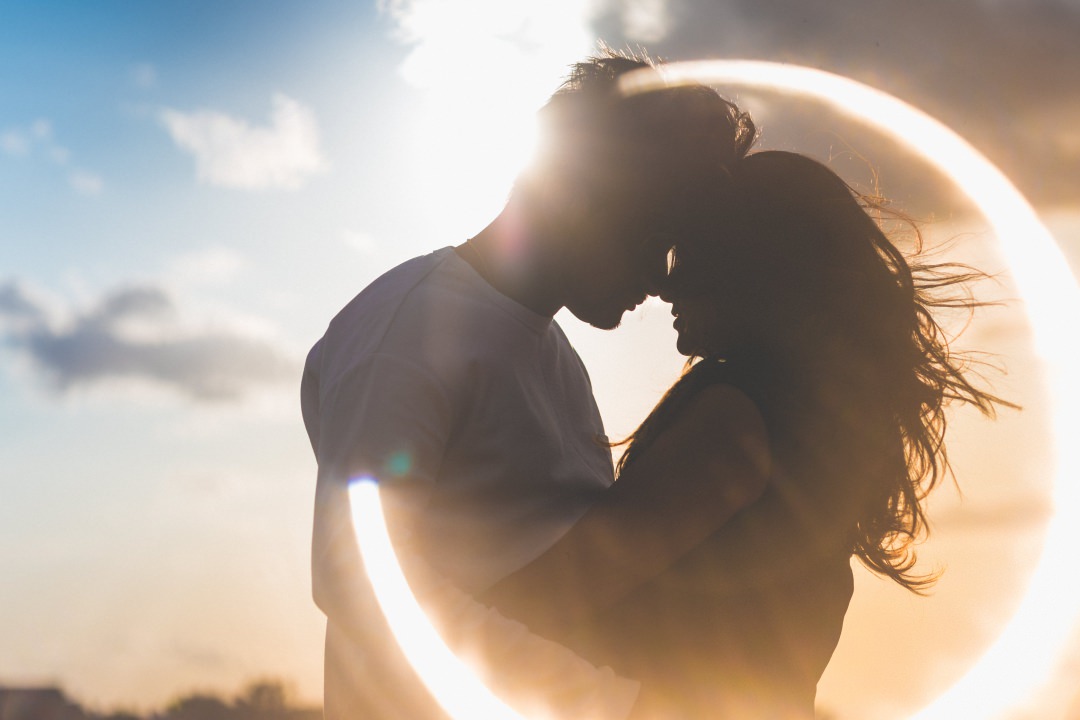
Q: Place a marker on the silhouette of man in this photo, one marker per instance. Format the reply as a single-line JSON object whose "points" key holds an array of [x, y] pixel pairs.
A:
{"points": [[448, 380]]}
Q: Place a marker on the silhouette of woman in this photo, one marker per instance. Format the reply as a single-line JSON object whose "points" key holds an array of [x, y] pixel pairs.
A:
{"points": [[807, 428]]}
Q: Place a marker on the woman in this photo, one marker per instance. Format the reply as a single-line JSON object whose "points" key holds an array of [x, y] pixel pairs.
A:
{"points": [[807, 428]]}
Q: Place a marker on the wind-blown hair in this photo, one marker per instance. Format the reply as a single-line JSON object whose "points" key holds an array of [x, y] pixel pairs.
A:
{"points": [[839, 346]]}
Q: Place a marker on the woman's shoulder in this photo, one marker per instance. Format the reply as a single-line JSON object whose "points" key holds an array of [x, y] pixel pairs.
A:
{"points": [[718, 432], [721, 405], [721, 392]]}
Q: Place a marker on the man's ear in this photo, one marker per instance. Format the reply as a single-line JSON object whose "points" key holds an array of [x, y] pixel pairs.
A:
{"points": [[560, 208]]}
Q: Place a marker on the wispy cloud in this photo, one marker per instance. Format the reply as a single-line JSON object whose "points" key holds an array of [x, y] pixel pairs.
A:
{"points": [[86, 183], [1027, 513], [38, 139], [14, 142], [232, 152], [521, 48], [17, 306], [360, 242], [646, 20], [144, 75], [133, 333], [216, 265]]}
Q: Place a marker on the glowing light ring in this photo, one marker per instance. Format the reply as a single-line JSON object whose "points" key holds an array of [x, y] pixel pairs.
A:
{"points": [[1025, 652], [454, 686]]}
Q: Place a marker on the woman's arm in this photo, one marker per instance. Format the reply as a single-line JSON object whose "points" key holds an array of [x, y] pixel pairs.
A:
{"points": [[713, 461]]}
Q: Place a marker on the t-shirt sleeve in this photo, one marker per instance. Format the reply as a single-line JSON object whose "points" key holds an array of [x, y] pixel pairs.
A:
{"points": [[391, 419], [387, 419]]}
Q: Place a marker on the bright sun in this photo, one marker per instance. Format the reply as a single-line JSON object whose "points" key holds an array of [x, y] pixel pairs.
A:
{"points": [[1026, 651]]}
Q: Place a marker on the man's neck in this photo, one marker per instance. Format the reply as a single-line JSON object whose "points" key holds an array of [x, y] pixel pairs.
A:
{"points": [[508, 256]]}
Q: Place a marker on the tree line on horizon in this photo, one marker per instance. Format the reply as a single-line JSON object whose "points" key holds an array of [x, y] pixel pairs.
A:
{"points": [[260, 700]]}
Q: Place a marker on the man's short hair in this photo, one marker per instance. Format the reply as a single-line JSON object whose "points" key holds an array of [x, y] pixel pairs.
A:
{"points": [[595, 137]]}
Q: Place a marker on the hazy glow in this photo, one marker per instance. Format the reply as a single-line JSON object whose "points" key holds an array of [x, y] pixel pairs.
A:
{"points": [[1023, 656], [1025, 653], [483, 67], [451, 683]]}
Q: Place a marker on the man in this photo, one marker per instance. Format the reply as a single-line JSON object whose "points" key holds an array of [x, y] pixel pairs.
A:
{"points": [[449, 382]]}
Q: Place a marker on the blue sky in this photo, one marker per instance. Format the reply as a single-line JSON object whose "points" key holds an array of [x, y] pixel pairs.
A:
{"points": [[190, 190]]}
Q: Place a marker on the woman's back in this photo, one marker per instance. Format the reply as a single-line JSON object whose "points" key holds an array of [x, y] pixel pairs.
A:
{"points": [[714, 651], [745, 624]]}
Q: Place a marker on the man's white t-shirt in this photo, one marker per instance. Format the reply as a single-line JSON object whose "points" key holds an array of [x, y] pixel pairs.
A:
{"points": [[477, 418]]}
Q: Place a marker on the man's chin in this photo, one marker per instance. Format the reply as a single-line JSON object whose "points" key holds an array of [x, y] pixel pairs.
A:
{"points": [[602, 323], [599, 318]]}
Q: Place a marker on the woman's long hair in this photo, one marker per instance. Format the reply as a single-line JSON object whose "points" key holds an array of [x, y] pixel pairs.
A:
{"points": [[839, 346]]}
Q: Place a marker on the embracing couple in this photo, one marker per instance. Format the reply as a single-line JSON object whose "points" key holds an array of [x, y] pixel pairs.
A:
{"points": [[709, 573]]}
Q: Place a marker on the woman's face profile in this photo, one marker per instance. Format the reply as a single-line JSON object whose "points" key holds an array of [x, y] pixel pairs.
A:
{"points": [[706, 325], [711, 315]]}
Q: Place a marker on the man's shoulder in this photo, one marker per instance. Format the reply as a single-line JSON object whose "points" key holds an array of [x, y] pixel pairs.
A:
{"points": [[377, 303], [434, 312], [357, 328], [400, 280], [429, 309], [440, 298]]}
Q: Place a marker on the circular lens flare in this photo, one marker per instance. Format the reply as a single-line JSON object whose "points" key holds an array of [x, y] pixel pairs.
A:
{"points": [[1025, 653], [453, 685]]}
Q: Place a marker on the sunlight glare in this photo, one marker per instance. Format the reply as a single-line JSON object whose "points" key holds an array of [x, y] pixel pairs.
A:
{"points": [[453, 685], [1022, 657], [483, 67]]}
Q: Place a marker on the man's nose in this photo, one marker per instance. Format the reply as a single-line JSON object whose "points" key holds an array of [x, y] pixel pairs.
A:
{"points": [[656, 277], [663, 287], [654, 282]]}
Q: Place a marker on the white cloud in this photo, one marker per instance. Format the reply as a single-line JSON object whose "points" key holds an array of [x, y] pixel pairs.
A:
{"points": [[41, 129], [646, 20], [504, 57], [86, 182], [144, 75], [13, 142], [360, 242], [210, 266], [231, 152], [38, 139], [521, 48]]}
